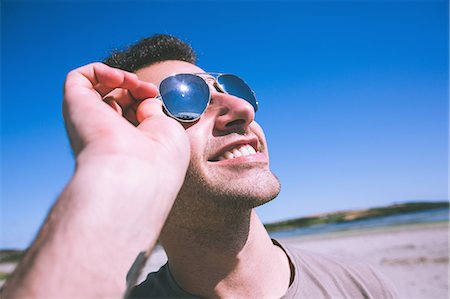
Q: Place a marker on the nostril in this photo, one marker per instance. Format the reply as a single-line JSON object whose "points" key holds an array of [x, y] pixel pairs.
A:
{"points": [[235, 122]]}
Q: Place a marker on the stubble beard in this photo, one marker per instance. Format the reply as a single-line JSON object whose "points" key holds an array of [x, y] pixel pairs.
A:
{"points": [[240, 191], [213, 210]]}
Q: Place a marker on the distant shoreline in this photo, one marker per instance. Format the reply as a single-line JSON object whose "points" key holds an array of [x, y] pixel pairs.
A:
{"points": [[367, 231], [351, 216]]}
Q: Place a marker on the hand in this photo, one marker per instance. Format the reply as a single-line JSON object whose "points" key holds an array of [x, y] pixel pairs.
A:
{"points": [[131, 161], [99, 133]]}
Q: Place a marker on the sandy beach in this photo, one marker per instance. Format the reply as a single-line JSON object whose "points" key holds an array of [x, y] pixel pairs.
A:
{"points": [[414, 257]]}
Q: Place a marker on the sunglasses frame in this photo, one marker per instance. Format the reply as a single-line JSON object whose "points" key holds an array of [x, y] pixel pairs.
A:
{"points": [[215, 84]]}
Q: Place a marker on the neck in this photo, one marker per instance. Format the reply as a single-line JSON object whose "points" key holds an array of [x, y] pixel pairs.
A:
{"points": [[209, 255]]}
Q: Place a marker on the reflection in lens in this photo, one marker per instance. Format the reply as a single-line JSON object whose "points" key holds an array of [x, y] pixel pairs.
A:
{"points": [[185, 96], [238, 88]]}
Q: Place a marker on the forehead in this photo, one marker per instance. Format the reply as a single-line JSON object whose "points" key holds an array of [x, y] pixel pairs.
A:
{"points": [[155, 73]]}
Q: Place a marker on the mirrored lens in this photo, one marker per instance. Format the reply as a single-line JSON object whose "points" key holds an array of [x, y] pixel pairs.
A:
{"points": [[185, 96], [237, 87]]}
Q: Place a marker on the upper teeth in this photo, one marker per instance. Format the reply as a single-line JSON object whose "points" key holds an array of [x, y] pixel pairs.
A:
{"points": [[242, 150]]}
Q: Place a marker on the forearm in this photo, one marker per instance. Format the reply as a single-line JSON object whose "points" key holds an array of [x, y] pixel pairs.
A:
{"points": [[99, 224]]}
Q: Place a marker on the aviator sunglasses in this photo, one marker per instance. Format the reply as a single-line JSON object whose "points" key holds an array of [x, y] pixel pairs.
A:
{"points": [[185, 97]]}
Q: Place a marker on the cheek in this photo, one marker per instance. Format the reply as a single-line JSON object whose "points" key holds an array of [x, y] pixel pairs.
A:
{"points": [[196, 153], [198, 160], [198, 144], [200, 134]]}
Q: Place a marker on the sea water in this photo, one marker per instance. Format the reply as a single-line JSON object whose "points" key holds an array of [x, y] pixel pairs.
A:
{"points": [[428, 216]]}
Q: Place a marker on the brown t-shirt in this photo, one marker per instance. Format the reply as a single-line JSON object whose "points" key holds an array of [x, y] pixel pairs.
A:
{"points": [[314, 276]]}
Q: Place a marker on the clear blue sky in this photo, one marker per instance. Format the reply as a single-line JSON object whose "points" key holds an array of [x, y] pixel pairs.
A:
{"points": [[353, 94]]}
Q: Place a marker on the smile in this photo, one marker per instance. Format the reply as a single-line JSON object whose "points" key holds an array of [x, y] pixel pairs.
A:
{"points": [[241, 151], [237, 151]]}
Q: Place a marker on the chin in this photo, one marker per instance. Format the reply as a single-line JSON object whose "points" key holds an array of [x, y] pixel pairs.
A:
{"points": [[235, 192], [249, 195]]}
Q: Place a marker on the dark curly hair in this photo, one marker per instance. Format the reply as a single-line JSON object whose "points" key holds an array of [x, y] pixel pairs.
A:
{"points": [[159, 47]]}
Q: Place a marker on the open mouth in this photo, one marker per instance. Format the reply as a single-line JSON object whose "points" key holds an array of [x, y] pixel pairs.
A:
{"points": [[236, 151]]}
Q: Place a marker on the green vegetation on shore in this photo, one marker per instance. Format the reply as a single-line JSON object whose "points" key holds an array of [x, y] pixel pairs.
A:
{"points": [[4, 276], [343, 216], [10, 255]]}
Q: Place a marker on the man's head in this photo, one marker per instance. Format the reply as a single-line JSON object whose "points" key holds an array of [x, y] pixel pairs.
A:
{"points": [[216, 175]]}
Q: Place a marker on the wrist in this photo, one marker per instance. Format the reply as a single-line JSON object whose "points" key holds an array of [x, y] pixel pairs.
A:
{"points": [[115, 188], [121, 187]]}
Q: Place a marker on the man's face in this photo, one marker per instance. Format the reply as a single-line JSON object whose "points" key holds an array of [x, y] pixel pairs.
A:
{"points": [[229, 158]]}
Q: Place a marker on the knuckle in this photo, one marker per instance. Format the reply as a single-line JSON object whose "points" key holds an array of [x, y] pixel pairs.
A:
{"points": [[97, 64], [70, 74]]}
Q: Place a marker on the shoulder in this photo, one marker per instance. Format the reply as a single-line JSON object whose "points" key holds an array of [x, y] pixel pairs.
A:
{"points": [[319, 275]]}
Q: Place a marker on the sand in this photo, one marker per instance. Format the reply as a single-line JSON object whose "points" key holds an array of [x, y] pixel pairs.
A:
{"points": [[414, 257]]}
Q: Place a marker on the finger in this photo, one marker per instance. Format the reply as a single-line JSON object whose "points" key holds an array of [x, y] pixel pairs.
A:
{"points": [[144, 90], [113, 104], [107, 81], [99, 73], [130, 115], [126, 98], [149, 108], [122, 97], [104, 80], [139, 90], [101, 78]]}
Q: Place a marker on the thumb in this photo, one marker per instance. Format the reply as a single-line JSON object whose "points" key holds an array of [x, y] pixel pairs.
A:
{"points": [[154, 123], [164, 130], [149, 108]]}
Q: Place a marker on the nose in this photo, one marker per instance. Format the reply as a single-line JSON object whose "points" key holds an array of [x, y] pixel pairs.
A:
{"points": [[234, 114]]}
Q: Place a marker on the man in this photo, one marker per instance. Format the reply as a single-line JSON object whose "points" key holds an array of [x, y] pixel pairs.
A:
{"points": [[188, 177]]}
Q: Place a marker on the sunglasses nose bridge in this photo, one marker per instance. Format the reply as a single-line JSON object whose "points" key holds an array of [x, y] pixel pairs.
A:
{"points": [[213, 83], [218, 87]]}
